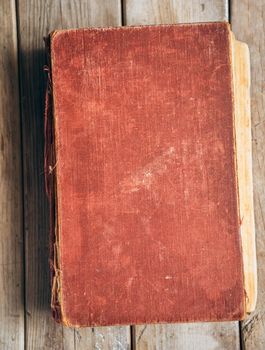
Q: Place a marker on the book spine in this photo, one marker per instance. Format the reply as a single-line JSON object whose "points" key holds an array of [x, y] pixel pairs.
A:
{"points": [[50, 187]]}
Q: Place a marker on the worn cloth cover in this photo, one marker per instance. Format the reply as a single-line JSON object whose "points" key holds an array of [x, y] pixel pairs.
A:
{"points": [[141, 150]]}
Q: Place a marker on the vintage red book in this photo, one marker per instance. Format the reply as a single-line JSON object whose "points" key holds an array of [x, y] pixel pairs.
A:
{"points": [[148, 172]]}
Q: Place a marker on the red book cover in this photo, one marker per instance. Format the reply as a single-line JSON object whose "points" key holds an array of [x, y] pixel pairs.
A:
{"points": [[141, 173]]}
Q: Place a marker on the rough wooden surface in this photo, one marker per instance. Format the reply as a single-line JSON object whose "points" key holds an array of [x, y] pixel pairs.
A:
{"points": [[195, 336], [11, 248], [247, 19], [174, 11], [190, 336], [37, 19]]}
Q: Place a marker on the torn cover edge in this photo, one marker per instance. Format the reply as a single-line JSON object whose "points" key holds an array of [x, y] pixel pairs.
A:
{"points": [[50, 187]]}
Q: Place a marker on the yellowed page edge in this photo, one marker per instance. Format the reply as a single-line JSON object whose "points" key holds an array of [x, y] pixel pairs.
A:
{"points": [[241, 77]]}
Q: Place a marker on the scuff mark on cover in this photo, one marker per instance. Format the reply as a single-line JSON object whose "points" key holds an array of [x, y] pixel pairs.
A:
{"points": [[146, 175]]}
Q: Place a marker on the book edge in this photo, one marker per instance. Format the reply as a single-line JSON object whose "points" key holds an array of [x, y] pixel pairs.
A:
{"points": [[50, 163], [58, 32], [241, 81]]}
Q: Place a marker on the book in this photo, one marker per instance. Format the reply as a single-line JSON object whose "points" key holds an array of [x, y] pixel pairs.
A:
{"points": [[149, 175]]}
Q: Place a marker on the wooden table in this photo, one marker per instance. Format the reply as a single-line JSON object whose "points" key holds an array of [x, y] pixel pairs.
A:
{"points": [[25, 319]]}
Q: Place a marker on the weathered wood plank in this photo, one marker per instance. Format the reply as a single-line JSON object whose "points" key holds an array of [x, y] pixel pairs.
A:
{"points": [[184, 336], [247, 18], [98, 338], [174, 11], [37, 18], [11, 233], [195, 336]]}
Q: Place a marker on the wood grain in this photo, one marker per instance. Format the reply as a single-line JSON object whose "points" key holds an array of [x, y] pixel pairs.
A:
{"points": [[174, 11], [98, 338], [248, 25], [37, 18], [196, 336], [11, 234], [189, 336]]}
